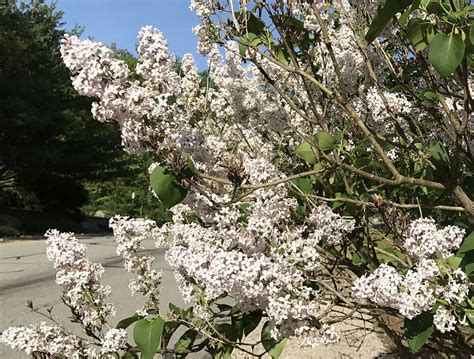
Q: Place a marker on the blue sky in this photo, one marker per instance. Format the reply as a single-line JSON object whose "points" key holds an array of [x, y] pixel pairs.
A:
{"points": [[118, 21]]}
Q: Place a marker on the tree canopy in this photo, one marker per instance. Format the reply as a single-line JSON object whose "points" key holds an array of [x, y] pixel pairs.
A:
{"points": [[49, 145]]}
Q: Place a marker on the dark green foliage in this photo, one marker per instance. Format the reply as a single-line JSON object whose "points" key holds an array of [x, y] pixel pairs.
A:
{"points": [[53, 155], [273, 347], [418, 330], [49, 143], [7, 231]]}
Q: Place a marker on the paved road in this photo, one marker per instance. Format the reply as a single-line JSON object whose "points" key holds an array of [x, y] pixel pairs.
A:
{"points": [[25, 273]]}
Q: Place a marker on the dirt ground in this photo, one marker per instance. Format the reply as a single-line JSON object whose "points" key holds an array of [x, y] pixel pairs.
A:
{"points": [[356, 342]]}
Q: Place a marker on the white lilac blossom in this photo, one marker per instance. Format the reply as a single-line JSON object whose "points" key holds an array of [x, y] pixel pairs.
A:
{"points": [[204, 44], [252, 248], [200, 7], [444, 320], [260, 262], [42, 338], [380, 287], [416, 293], [129, 234], [324, 336], [457, 288], [329, 227], [79, 279], [389, 111], [423, 239], [92, 65], [155, 62], [411, 294], [114, 340]]}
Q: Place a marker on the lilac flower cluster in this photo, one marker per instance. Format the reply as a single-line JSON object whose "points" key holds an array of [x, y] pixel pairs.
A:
{"points": [[44, 338], [418, 290], [424, 240], [129, 233], [79, 279]]}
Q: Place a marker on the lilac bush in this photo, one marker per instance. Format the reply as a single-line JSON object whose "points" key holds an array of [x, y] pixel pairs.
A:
{"points": [[320, 171]]}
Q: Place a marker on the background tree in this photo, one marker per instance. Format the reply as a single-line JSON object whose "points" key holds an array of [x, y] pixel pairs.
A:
{"points": [[52, 154]]}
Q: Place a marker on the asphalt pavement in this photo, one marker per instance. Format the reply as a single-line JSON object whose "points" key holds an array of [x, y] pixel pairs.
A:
{"points": [[26, 274]]}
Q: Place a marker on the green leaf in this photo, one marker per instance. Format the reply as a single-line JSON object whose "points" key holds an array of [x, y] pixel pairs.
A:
{"points": [[242, 49], [254, 24], [185, 342], [420, 32], [471, 34], [454, 261], [325, 141], [147, 336], [438, 7], [190, 169], [467, 263], [247, 40], [404, 17], [125, 323], [398, 88], [251, 321], [305, 151], [383, 16], [430, 95], [418, 330], [470, 317], [304, 184], [273, 347], [165, 185], [282, 55], [168, 330], [357, 258], [446, 53], [439, 154], [181, 313], [467, 244], [224, 351], [129, 355]]}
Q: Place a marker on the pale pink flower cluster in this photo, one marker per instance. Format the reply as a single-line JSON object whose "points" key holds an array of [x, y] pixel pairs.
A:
{"points": [[204, 44], [237, 255], [417, 290], [411, 294], [155, 62], [140, 109], [251, 249], [330, 227], [423, 239], [114, 340], [457, 288], [304, 10], [444, 320], [44, 338], [454, 292], [200, 7], [325, 336], [129, 234], [92, 66], [252, 255], [79, 279], [385, 116]]}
